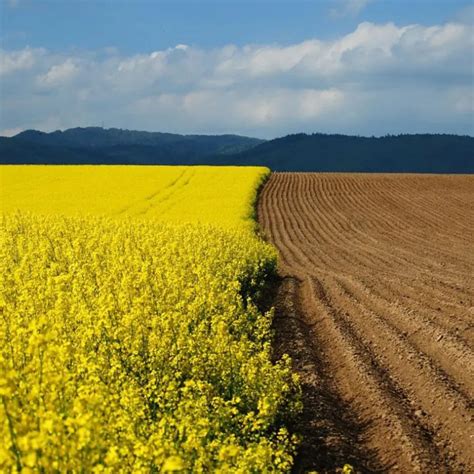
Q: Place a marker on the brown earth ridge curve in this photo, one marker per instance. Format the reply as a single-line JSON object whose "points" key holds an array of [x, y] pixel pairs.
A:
{"points": [[375, 306]]}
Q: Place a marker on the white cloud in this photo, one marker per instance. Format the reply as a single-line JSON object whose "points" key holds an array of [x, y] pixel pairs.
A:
{"points": [[377, 79], [59, 74], [18, 60], [258, 108]]}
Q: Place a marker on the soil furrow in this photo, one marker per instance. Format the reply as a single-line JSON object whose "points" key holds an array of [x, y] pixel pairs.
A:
{"points": [[455, 358], [427, 387], [376, 401], [375, 307]]}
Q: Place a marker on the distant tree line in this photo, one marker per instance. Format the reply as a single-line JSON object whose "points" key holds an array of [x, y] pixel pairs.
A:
{"points": [[418, 153]]}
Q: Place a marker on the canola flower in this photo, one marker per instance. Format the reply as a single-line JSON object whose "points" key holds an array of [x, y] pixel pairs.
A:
{"points": [[134, 345]]}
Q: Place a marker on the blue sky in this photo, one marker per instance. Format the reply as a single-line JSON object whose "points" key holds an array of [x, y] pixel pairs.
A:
{"points": [[261, 67], [139, 27]]}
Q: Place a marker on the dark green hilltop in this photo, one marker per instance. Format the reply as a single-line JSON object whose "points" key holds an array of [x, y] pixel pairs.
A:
{"points": [[418, 153]]}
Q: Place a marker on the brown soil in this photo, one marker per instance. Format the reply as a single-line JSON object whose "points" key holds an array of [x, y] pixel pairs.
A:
{"points": [[375, 307]]}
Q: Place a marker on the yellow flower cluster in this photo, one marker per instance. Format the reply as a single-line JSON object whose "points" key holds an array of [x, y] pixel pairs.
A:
{"points": [[135, 346]]}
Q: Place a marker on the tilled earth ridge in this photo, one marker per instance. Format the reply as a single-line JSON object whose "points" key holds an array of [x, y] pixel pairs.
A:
{"points": [[375, 307]]}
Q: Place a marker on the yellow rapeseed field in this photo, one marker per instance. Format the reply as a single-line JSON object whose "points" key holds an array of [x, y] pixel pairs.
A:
{"points": [[129, 336], [205, 194]]}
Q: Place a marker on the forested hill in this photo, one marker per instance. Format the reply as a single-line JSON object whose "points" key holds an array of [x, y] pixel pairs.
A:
{"points": [[96, 145], [300, 152], [401, 153]]}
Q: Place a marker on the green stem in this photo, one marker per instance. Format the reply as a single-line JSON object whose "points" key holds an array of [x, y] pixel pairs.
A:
{"points": [[15, 449]]}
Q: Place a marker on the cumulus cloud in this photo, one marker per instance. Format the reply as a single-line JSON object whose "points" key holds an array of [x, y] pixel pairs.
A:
{"points": [[15, 61], [255, 109], [380, 78], [59, 74]]}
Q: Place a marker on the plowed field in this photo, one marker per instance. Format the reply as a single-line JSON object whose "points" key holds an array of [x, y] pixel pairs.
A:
{"points": [[375, 306]]}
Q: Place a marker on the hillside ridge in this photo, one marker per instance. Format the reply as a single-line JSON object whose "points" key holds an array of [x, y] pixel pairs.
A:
{"points": [[415, 153]]}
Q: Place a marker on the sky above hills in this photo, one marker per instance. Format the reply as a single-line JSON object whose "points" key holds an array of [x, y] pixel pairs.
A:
{"points": [[262, 68]]}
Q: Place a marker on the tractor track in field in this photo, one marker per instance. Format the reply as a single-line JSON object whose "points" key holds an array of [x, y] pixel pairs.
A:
{"points": [[375, 305]]}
